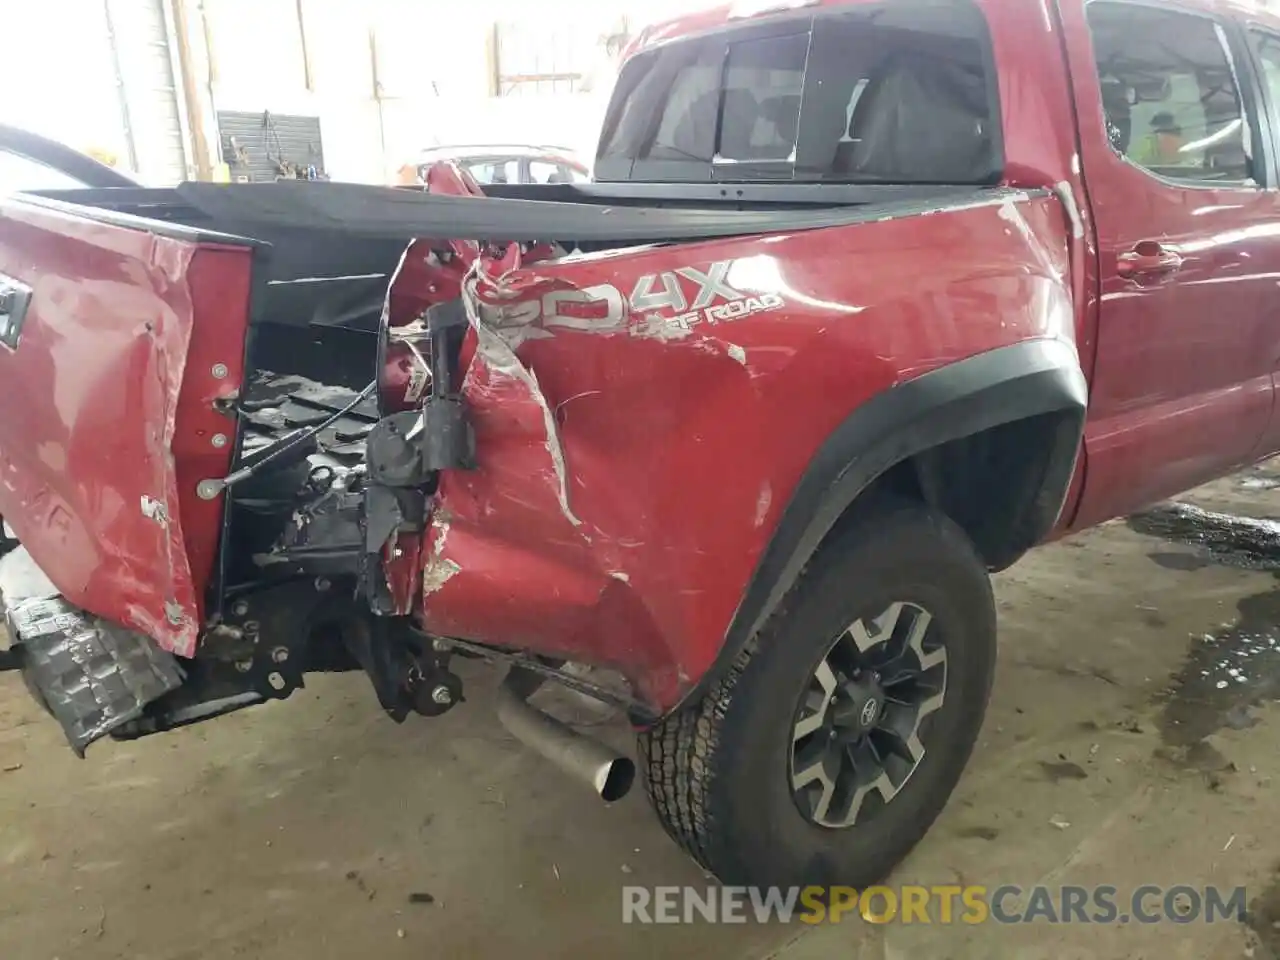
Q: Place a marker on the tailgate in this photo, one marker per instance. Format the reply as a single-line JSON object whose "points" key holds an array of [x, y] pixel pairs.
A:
{"points": [[117, 336]]}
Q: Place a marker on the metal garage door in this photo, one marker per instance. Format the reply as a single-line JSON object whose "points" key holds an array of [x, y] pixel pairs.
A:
{"points": [[149, 97], [96, 75]]}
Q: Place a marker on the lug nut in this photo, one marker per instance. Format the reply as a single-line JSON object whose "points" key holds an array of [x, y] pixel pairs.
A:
{"points": [[279, 655], [240, 608], [441, 695]]}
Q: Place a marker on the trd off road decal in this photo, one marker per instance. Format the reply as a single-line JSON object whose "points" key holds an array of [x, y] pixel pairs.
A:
{"points": [[660, 304]]}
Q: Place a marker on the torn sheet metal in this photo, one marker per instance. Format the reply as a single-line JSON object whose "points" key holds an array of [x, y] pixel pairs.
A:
{"points": [[405, 371], [438, 570], [642, 417], [497, 353], [154, 509], [502, 319]]}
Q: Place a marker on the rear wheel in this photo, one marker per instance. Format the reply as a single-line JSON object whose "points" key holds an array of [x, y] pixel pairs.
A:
{"points": [[834, 740]]}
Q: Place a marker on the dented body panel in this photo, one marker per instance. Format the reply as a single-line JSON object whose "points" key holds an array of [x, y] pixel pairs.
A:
{"points": [[616, 397], [614, 426], [105, 436]]}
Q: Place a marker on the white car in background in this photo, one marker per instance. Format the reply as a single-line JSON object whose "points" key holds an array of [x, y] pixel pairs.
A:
{"points": [[501, 163]]}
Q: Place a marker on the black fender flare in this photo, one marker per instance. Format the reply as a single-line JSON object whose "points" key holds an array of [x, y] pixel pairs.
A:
{"points": [[987, 390]]}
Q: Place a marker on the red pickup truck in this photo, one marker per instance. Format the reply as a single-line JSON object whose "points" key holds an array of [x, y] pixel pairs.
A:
{"points": [[868, 299]]}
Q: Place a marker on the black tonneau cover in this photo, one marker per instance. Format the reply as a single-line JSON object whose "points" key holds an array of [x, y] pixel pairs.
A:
{"points": [[390, 212]]}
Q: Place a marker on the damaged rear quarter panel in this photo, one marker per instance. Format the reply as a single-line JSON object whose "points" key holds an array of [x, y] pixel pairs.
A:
{"points": [[681, 440]]}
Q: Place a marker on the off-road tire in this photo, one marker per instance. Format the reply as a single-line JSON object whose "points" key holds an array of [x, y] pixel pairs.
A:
{"points": [[717, 770]]}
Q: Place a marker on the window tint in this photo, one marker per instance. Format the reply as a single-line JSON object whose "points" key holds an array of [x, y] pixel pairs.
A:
{"points": [[642, 80], [1169, 92], [763, 86], [687, 129], [881, 92], [909, 99]]}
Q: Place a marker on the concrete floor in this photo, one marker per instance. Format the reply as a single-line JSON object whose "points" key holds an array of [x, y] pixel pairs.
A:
{"points": [[302, 829]]}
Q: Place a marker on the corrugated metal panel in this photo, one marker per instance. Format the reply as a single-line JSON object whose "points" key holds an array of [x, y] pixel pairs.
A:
{"points": [[149, 96], [265, 142]]}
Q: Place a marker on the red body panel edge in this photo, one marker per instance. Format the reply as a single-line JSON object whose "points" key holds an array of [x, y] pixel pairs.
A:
{"points": [[631, 473], [104, 439]]}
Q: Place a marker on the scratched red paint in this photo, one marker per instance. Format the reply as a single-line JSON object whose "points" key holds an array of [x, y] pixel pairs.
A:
{"points": [[675, 456], [638, 572], [107, 419]]}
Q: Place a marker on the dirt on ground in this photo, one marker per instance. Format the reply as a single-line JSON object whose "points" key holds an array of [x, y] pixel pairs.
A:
{"points": [[1131, 740]]}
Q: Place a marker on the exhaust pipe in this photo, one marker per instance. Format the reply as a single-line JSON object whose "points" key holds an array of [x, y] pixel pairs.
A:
{"points": [[580, 756]]}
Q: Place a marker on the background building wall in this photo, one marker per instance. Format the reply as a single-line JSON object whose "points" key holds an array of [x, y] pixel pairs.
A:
{"points": [[99, 76], [142, 81]]}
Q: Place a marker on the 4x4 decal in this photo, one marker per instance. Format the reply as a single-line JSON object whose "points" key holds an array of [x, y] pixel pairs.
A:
{"points": [[666, 304]]}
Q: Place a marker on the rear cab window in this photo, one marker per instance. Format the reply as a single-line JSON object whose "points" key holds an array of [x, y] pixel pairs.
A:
{"points": [[900, 92]]}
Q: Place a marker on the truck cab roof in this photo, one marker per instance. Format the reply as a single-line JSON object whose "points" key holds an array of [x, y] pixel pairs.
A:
{"points": [[856, 92], [725, 14]]}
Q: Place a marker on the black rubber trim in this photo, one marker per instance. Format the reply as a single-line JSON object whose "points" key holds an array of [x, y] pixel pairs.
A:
{"points": [[357, 210], [654, 193], [1003, 385]]}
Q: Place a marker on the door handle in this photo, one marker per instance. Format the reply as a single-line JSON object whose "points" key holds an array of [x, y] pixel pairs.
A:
{"points": [[1148, 259]]}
